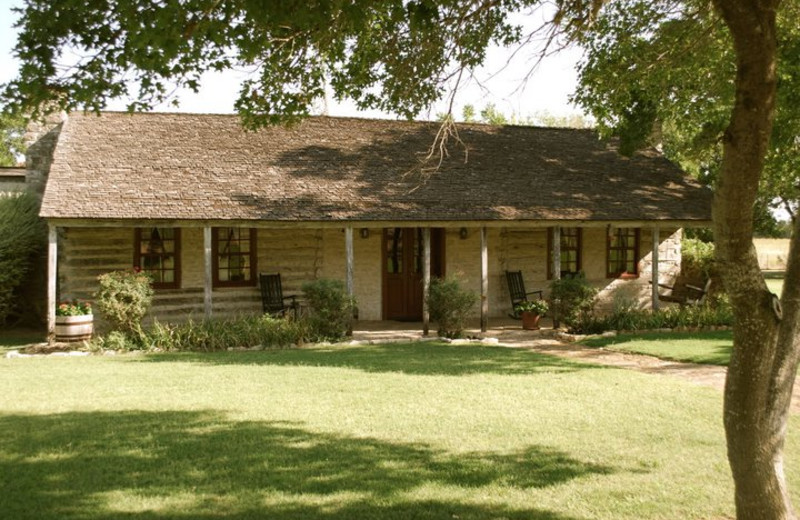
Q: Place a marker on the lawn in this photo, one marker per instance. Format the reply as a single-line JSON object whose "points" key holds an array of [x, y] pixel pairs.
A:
{"points": [[423, 431], [708, 347]]}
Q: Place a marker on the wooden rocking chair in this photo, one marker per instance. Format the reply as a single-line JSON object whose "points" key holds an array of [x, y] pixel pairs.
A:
{"points": [[516, 289], [272, 299]]}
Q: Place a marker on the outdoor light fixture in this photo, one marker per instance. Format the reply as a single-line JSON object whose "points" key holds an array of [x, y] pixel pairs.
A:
{"points": [[463, 233], [364, 233]]}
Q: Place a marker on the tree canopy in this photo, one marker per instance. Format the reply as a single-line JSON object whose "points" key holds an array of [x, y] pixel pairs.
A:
{"points": [[663, 72], [12, 146]]}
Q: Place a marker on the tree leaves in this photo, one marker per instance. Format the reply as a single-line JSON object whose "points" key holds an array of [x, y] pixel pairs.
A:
{"points": [[393, 55]]}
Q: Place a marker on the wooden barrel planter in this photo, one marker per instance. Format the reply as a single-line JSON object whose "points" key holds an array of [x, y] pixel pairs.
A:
{"points": [[74, 328]]}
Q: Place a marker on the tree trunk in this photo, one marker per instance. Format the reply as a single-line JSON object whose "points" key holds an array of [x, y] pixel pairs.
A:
{"points": [[764, 361]]}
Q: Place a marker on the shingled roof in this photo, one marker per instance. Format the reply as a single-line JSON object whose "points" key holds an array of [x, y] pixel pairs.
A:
{"points": [[119, 166]]}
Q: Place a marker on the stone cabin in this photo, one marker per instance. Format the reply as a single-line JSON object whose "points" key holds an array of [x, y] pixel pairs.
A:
{"points": [[205, 206]]}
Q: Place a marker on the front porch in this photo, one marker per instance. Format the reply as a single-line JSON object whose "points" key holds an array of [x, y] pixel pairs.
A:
{"points": [[505, 330], [367, 258]]}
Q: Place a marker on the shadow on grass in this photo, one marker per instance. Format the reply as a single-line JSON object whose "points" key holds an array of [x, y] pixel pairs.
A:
{"points": [[171, 465], [21, 337], [423, 358]]}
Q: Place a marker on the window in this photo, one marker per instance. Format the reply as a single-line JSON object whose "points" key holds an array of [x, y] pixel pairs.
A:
{"points": [[157, 252], [623, 252], [571, 245], [234, 254]]}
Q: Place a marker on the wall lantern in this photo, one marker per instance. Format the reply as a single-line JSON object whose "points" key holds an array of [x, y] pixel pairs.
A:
{"points": [[463, 233], [364, 233]]}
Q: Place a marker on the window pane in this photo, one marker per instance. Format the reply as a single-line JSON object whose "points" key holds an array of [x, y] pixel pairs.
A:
{"points": [[157, 253]]}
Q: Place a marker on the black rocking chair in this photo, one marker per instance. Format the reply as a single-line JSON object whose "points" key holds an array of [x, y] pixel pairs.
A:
{"points": [[272, 298], [516, 289]]}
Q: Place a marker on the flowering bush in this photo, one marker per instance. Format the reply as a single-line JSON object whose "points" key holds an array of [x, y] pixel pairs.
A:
{"points": [[74, 308], [124, 298], [539, 307]]}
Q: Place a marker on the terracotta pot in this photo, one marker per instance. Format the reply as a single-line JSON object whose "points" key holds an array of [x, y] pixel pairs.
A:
{"points": [[530, 320], [74, 328]]}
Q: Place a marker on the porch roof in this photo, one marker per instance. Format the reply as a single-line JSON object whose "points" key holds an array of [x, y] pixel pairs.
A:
{"points": [[119, 166]]}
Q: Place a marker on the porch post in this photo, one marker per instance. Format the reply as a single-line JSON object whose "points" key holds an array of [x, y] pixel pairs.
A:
{"points": [[52, 277], [207, 285], [654, 279], [556, 268], [426, 279], [484, 281], [348, 249]]}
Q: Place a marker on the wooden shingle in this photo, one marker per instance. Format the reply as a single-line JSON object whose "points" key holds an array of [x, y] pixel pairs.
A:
{"points": [[119, 166]]}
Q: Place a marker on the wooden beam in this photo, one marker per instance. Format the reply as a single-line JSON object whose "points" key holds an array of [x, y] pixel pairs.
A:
{"points": [[348, 248], [208, 282], [52, 281], [426, 279], [484, 281], [337, 224], [654, 279]]}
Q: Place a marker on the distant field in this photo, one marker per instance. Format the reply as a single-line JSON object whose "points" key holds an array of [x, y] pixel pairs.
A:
{"points": [[775, 285], [772, 253]]}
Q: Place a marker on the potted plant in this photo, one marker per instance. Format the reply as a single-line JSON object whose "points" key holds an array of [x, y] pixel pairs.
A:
{"points": [[530, 311], [74, 321]]}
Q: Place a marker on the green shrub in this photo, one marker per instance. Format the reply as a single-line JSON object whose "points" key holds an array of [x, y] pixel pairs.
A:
{"points": [[714, 312], [22, 235], [330, 309], [697, 258], [572, 300], [123, 299], [216, 335], [539, 307], [449, 305]]}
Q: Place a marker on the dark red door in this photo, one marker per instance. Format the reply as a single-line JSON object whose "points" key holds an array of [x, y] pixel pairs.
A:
{"points": [[402, 271]]}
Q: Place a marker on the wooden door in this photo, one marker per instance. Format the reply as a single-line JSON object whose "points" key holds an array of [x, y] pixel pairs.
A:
{"points": [[402, 271]]}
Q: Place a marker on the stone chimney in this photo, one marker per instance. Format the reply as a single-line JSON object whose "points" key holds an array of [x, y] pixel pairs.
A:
{"points": [[40, 140]]}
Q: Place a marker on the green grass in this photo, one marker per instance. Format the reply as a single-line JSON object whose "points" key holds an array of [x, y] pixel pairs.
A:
{"points": [[707, 347], [422, 431]]}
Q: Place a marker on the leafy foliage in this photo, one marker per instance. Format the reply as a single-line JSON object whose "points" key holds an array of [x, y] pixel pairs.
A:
{"points": [[21, 237], [449, 305], [12, 147], [330, 309], [539, 307], [663, 73], [391, 55], [217, 335], [74, 308], [713, 313], [124, 298], [697, 257], [572, 299]]}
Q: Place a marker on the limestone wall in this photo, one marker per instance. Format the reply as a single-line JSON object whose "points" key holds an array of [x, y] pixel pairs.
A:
{"points": [[306, 254]]}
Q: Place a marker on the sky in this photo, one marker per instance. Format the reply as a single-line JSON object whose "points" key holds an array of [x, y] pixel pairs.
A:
{"points": [[547, 90]]}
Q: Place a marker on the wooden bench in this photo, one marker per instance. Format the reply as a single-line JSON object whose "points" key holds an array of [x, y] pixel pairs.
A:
{"points": [[685, 291]]}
